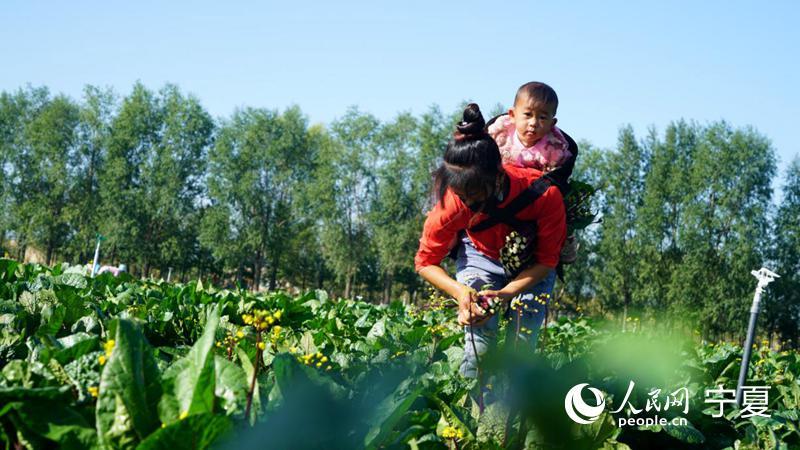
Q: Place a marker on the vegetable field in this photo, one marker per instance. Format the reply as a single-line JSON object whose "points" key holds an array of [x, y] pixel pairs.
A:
{"points": [[115, 362]]}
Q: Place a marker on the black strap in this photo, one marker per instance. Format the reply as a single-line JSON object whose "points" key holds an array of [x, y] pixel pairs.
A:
{"points": [[507, 214]]}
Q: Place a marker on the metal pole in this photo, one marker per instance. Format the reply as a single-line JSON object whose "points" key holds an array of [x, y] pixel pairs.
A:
{"points": [[765, 276], [169, 274]]}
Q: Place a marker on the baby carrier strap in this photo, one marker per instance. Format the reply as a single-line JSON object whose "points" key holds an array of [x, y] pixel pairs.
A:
{"points": [[507, 214]]}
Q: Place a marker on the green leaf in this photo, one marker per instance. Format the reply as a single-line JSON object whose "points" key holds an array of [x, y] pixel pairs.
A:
{"points": [[75, 346], [189, 383], [492, 423], [195, 432], [377, 331], [52, 318], [127, 405], [289, 373], [454, 417], [391, 410], [686, 433], [249, 369], [231, 385], [75, 280], [56, 421], [307, 343], [62, 393]]}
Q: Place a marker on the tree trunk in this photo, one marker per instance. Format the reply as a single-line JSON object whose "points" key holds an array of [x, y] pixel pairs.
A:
{"points": [[273, 276], [49, 254], [387, 287], [624, 316], [347, 285], [320, 274], [239, 271], [257, 272]]}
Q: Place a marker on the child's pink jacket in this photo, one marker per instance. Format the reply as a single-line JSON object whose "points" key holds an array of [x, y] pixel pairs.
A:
{"points": [[546, 154]]}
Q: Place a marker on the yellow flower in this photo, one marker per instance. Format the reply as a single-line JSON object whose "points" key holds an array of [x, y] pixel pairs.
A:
{"points": [[94, 391], [102, 359], [276, 329], [277, 315], [239, 334], [183, 415], [262, 346], [452, 433]]}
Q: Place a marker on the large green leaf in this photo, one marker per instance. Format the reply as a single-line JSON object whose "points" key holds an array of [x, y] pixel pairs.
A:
{"points": [[195, 432], [58, 422], [249, 370], [455, 416], [189, 383], [231, 385], [52, 318], [130, 387], [32, 394], [75, 346], [289, 373], [391, 410]]}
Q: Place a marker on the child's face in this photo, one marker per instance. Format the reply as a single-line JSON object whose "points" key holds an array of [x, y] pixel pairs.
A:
{"points": [[533, 121]]}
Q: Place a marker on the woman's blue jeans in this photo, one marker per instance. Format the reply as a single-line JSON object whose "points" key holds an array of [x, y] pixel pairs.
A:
{"points": [[481, 272]]}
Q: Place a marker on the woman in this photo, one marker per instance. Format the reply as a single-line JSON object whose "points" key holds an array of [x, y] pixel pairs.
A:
{"points": [[472, 187]]}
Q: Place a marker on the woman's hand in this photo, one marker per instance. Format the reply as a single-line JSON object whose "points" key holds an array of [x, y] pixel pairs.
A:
{"points": [[469, 312]]}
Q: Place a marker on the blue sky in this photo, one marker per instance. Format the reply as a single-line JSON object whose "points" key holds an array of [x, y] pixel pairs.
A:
{"points": [[611, 62]]}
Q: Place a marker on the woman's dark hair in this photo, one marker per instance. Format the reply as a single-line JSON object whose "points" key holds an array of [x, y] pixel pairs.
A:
{"points": [[471, 161]]}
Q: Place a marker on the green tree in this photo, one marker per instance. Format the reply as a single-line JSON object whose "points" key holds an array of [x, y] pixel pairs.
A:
{"points": [[622, 183], [724, 228], [18, 112], [345, 184], [783, 297], [255, 168], [175, 179], [151, 184], [50, 138], [394, 217], [666, 190], [86, 164], [123, 182]]}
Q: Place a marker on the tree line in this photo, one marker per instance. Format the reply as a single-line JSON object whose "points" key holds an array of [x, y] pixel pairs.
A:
{"points": [[264, 199]]}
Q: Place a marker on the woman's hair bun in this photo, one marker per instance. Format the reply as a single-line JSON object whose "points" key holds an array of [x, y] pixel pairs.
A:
{"points": [[472, 123]]}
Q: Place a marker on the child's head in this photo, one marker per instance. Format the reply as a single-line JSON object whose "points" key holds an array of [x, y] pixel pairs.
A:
{"points": [[534, 111], [472, 164]]}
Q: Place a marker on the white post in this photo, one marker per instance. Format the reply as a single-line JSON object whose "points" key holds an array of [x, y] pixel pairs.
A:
{"points": [[765, 277], [96, 257]]}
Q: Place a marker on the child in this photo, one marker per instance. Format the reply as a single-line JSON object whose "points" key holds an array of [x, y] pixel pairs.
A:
{"points": [[528, 137]]}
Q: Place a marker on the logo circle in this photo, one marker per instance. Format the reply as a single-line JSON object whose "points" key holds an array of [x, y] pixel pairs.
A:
{"points": [[578, 410]]}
